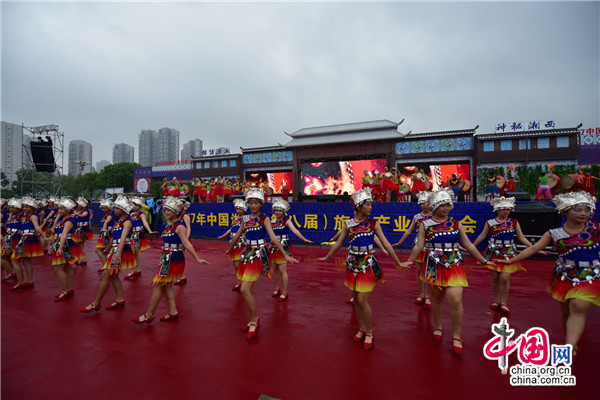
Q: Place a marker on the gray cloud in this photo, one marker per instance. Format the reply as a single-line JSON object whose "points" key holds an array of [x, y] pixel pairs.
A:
{"points": [[239, 74]]}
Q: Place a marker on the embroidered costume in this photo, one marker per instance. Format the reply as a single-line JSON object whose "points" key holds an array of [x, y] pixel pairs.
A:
{"points": [[255, 256], [104, 237], [236, 252], [139, 242], [83, 233], [172, 260], [444, 261], [418, 220], [577, 271], [127, 256], [71, 253], [13, 234], [29, 245], [363, 269], [282, 232], [502, 246]]}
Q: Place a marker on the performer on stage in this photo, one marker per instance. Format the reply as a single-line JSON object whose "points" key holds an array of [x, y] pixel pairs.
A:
{"points": [[502, 247], [29, 245], [387, 186], [236, 252], [363, 269], [187, 223], [367, 180], [119, 257], [492, 189], [82, 233], [255, 258], [139, 242], [281, 227], [418, 182], [543, 192], [65, 252], [587, 182], [104, 238], [575, 282], [444, 269], [285, 190], [455, 183], [423, 201], [172, 262]]}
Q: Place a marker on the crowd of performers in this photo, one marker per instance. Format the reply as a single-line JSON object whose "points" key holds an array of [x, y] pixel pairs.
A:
{"points": [[260, 246]]}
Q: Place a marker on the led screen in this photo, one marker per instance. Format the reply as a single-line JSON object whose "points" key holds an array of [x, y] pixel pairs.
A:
{"points": [[336, 177], [275, 179]]}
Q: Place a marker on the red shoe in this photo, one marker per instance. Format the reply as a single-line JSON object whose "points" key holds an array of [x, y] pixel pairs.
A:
{"points": [[504, 309], [351, 301], [133, 274], [247, 327], [116, 304], [252, 332], [418, 300], [169, 317], [63, 295], [86, 309], [237, 287], [27, 285], [22, 285], [427, 303], [9, 277], [360, 335], [494, 306], [145, 319], [101, 270], [457, 350], [282, 297], [181, 281], [437, 336], [368, 345], [275, 293]]}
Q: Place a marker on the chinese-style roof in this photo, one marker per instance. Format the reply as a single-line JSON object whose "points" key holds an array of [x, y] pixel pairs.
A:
{"points": [[420, 135], [344, 133]]}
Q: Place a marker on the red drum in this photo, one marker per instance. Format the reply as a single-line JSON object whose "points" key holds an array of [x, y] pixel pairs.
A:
{"points": [[466, 186], [500, 181], [553, 181], [572, 183]]}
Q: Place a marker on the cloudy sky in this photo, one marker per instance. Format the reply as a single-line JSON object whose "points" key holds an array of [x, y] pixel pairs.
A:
{"points": [[240, 73]]}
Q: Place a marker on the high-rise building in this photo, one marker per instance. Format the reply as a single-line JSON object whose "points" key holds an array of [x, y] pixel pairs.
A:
{"points": [[191, 149], [80, 154], [101, 164], [158, 146], [12, 149], [123, 153]]}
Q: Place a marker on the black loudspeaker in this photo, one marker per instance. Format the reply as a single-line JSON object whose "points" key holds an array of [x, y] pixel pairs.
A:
{"points": [[325, 198], [536, 218], [519, 196], [42, 154]]}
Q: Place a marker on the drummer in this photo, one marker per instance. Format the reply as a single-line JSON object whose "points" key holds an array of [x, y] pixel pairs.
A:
{"points": [[543, 192], [455, 183], [492, 189]]}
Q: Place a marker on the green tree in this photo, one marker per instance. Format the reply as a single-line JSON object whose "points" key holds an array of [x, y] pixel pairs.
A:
{"points": [[117, 175], [5, 190]]}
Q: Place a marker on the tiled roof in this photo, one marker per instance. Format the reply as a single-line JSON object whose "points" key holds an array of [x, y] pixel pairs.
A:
{"points": [[543, 132], [441, 133], [342, 128], [357, 136], [266, 148]]}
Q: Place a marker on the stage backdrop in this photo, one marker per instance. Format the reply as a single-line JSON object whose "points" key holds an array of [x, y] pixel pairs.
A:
{"points": [[320, 221]]}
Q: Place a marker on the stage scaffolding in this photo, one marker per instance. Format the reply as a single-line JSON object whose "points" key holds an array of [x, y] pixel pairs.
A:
{"points": [[43, 184]]}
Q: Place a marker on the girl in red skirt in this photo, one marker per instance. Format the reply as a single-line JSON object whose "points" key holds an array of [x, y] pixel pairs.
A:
{"points": [[281, 227], [139, 241], [83, 233], [120, 257], [363, 269], [444, 270], [172, 262], [65, 253], [236, 253], [575, 282], [29, 246], [104, 238], [502, 247], [424, 290], [254, 260], [11, 235]]}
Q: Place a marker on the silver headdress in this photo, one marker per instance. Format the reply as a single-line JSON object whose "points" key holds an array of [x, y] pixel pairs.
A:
{"points": [[423, 197], [566, 201], [503, 203], [280, 204], [439, 197], [67, 203], [106, 204], [29, 201], [16, 203], [174, 204], [124, 204], [359, 197], [83, 202], [138, 201], [239, 203], [43, 203], [255, 193]]}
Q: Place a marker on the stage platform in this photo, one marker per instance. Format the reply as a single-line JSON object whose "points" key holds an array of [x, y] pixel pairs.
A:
{"points": [[303, 349]]}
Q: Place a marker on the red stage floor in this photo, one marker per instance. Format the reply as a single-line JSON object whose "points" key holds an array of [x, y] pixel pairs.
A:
{"points": [[303, 349]]}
